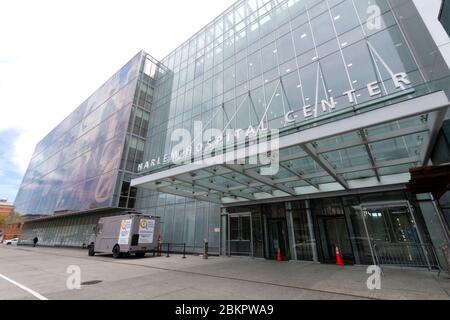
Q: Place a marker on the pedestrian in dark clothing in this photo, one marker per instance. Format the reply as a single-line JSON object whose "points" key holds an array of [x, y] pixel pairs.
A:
{"points": [[35, 241]]}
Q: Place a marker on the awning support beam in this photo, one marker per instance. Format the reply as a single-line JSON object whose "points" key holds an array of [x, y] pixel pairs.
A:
{"points": [[189, 195], [216, 187], [322, 162], [369, 152], [255, 176], [377, 138], [294, 172]]}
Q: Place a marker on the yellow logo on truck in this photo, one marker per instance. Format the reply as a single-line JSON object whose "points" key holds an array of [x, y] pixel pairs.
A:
{"points": [[143, 224]]}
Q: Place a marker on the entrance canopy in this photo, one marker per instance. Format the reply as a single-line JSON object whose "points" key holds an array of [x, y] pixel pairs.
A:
{"points": [[374, 148]]}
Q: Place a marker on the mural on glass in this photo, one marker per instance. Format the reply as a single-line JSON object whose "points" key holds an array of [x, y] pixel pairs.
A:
{"points": [[75, 166]]}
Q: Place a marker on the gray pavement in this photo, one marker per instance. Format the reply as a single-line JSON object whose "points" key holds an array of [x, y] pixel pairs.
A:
{"points": [[44, 271]]}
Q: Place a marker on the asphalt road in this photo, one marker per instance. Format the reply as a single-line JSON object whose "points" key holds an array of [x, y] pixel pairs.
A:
{"points": [[50, 273]]}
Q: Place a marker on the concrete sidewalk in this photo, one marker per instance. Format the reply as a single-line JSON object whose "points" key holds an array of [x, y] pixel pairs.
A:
{"points": [[44, 271]]}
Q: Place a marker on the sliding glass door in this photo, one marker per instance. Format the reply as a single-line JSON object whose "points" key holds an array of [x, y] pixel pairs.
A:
{"points": [[388, 230], [240, 235]]}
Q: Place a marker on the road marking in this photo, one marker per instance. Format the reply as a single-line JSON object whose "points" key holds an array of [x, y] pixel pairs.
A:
{"points": [[21, 286]]}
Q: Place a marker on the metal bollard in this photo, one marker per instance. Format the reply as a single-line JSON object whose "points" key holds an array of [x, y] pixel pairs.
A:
{"points": [[184, 250], [159, 247], [205, 249], [168, 250]]}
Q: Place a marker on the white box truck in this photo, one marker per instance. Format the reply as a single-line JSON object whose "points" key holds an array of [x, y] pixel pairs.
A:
{"points": [[123, 234]]}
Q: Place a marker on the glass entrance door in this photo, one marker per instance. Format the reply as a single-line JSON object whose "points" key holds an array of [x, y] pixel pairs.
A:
{"points": [[278, 238], [388, 230], [240, 235], [390, 223], [333, 231]]}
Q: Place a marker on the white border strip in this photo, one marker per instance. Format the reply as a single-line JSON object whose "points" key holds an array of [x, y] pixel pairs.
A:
{"points": [[21, 286]]}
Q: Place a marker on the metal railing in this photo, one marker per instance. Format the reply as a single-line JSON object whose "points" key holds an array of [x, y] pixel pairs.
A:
{"points": [[170, 248], [406, 254]]}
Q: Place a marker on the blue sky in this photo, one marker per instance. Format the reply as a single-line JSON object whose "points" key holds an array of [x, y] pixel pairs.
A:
{"points": [[10, 175], [57, 53]]}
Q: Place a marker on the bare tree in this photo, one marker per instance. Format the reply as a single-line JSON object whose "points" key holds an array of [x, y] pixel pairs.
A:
{"points": [[3, 220], [14, 218]]}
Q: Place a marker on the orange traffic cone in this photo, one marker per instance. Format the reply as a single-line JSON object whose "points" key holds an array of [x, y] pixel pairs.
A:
{"points": [[339, 261], [279, 256]]}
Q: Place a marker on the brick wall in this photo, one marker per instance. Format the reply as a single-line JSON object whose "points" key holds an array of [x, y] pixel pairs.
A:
{"points": [[6, 210], [12, 231]]}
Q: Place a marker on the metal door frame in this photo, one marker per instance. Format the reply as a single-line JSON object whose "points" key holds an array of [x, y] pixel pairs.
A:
{"points": [[383, 205], [237, 215], [287, 245], [340, 216]]}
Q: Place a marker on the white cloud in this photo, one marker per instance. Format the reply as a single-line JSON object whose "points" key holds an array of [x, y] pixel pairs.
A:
{"points": [[54, 54]]}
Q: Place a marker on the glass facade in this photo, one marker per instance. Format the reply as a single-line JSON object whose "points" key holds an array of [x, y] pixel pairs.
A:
{"points": [[262, 59], [73, 231], [138, 126], [75, 166], [310, 230], [277, 64], [86, 162]]}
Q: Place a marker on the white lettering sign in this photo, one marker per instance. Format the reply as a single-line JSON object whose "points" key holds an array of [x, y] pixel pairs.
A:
{"points": [[214, 139]]}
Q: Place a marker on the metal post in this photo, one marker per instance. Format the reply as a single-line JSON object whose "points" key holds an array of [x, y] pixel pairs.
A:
{"points": [[205, 249], [160, 248], [290, 226], [184, 250], [416, 227], [251, 236], [168, 250], [311, 231], [229, 237], [362, 209]]}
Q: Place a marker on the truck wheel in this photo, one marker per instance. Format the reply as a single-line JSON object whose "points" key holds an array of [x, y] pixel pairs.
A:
{"points": [[139, 254], [91, 251], [116, 252]]}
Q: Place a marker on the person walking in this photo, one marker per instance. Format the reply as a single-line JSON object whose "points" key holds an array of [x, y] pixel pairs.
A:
{"points": [[35, 241]]}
